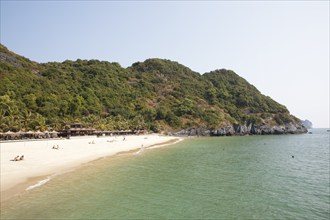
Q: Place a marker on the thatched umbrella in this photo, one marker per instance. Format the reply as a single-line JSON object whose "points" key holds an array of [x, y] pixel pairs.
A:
{"points": [[53, 134], [20, 134], [10, 135], [39, 134]]}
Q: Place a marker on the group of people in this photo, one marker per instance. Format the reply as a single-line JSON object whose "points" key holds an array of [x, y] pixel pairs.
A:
{"points": [[18, 158], [56, 147]]}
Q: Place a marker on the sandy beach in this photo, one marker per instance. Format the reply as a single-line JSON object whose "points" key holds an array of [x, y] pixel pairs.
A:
{"points": [[41, 161]]}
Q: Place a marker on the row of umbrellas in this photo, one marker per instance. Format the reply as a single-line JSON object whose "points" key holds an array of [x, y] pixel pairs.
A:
{"points": [[9, 135], [29, 132]]}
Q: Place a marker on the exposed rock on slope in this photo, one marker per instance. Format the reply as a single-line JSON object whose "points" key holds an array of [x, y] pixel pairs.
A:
{"points": [[251, 129]]}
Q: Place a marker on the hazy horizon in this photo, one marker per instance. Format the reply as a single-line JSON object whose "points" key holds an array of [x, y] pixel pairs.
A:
{"points": [[282, 48]]}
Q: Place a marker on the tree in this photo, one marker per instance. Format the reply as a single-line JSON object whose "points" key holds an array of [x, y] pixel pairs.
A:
{"points": [[211, 95]]}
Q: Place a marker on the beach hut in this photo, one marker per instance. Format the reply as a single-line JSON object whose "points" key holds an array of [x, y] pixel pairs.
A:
{"points": [[77, 129]]}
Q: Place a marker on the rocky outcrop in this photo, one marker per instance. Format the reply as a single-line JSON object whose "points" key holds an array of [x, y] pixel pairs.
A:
{"points": [[251, 129], [7, 58]]}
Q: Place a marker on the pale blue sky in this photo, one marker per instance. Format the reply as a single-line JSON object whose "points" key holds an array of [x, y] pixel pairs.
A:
{"points": [[280, 47]]}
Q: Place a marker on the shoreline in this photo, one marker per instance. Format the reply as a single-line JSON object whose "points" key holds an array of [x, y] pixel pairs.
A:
{"points": [[42, 163]]}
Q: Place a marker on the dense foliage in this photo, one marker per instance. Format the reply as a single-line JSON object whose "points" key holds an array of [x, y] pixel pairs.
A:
{"points": [[155, 94]]}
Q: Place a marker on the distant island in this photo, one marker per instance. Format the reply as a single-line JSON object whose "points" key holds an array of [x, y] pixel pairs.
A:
{"points": [[307, 124], [156, 95]]}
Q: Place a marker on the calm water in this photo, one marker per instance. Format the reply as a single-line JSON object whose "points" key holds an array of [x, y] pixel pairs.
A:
{"points": [[251, 177]]}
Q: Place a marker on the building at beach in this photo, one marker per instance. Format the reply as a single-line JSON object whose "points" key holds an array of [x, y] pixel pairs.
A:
{"points": [[77, 129]]}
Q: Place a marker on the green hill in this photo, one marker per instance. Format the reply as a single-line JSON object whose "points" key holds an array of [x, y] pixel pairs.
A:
{"points": [[157, 95]]}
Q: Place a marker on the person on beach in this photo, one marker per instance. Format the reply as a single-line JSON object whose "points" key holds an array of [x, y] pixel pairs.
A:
{"points": [[18, 158], [56, 147]]}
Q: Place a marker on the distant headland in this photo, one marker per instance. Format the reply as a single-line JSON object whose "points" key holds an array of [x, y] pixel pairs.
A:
{"points": [[307, 124]]}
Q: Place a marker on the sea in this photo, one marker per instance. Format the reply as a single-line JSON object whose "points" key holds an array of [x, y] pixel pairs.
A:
{"points": [[250, 177]]}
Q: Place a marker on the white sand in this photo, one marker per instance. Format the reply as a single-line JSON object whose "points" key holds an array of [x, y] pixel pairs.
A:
{"points": [[41, 160]]}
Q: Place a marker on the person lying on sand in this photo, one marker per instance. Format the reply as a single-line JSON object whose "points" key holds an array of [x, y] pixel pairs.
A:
{"points": [[18, 158], [56, 147]]}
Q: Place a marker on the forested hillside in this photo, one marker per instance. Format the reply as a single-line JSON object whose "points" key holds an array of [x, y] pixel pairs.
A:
{"points": [[156, 95]]}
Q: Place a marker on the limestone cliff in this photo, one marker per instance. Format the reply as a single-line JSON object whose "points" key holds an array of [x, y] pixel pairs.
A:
{"points": [[251, 129]]}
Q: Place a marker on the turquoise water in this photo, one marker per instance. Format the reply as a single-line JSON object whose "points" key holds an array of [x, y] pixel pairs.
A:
{"points": [[253, 177]]}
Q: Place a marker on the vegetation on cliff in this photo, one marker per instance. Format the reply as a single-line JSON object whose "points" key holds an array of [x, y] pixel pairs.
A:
{"points": [[156, 95]]}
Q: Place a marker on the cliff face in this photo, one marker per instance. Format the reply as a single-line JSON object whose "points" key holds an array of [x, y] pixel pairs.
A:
{"points": [[251, 129]]}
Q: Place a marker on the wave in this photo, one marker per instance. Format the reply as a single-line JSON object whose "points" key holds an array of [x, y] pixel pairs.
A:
{"points": [[40, 183], [138, 152], [43, 182]]}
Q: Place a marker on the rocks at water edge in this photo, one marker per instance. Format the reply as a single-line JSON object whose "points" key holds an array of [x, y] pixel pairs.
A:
{"points": [[251, 129]]}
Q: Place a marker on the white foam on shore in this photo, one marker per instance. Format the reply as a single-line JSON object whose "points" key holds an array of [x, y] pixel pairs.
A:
{"points": [[40, 183], [156, 146], [43, 182], [166, 144], [138, 152]]}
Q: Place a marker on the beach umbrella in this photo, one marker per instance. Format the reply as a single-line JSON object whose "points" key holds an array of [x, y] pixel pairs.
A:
{"points": [[29, 134], [10, 134], [20, 133], [54, 133]]}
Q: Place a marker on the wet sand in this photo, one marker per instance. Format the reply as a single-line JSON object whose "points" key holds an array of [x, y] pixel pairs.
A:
{"points": [[41, 160]]}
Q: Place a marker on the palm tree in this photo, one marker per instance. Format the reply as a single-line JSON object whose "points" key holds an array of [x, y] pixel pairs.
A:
{"points": [[26, 119]]}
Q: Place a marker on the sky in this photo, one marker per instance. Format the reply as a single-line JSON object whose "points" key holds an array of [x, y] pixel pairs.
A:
{"points": [[281, 47]]}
